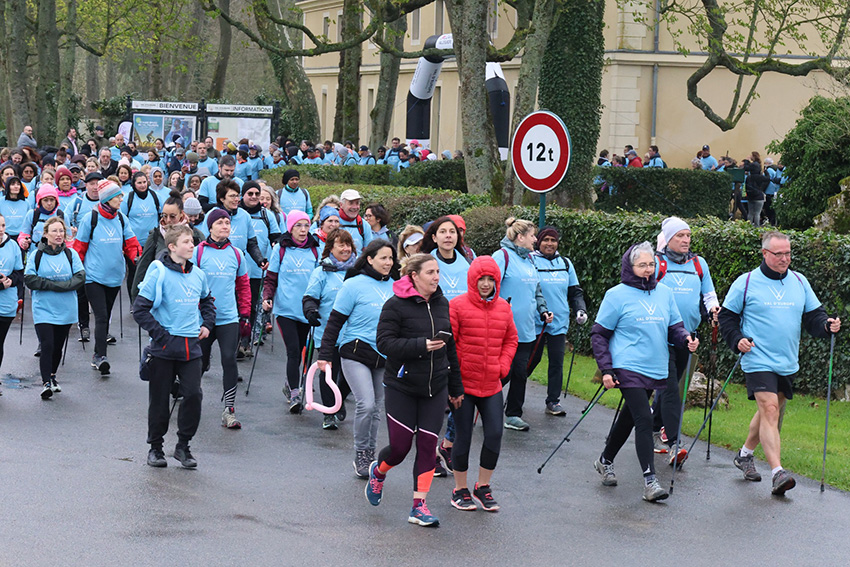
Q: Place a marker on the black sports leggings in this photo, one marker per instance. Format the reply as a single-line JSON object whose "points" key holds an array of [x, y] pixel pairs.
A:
{"points": [[491, 418], [228, 341], [667, 404], [101, 299], [5, 323], [52, 339], [339, 378], [634, 415], [294, 335]]}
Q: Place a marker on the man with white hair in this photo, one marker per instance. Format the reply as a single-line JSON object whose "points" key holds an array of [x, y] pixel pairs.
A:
{"points": [[761, 319], [351, 221], [687, 275]]}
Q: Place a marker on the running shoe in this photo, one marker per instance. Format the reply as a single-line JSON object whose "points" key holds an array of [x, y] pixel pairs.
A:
{"points": [[516, 423], [653, 492], [295, 401], [446, 455], [38, 350], [677, 458], [606, 471], [664, 435], [100, 364], [46, 391], [484, 496], [54, 385], [361, 464], [329, 423], [422, 515], [182, 454], [462, 500], [228, 419], [375, 487], [287, 393], [748, 466], [110, 340], [555, 409], [439, 470], [782, 482], [156, 458], [85, 335], [659, 445]]}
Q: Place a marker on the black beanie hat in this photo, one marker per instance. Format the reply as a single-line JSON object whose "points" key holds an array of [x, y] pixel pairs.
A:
{"points": [[250, 185], [547, 231], [289, 174]]}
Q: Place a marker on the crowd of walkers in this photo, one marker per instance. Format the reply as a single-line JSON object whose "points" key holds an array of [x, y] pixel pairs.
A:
{"points": [[414, 326]]}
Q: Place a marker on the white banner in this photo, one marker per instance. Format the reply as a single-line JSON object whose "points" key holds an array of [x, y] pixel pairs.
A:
{"points": [[221, 128]]}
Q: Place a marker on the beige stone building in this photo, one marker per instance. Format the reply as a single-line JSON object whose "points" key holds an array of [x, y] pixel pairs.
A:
{"points": [[643, 90]]}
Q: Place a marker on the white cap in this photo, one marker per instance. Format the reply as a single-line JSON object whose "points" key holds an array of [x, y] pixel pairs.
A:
{"points": [[350, 195], [412, 239]]}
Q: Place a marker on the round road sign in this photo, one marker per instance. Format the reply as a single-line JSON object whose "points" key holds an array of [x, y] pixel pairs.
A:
{"points": [[540, 151]]}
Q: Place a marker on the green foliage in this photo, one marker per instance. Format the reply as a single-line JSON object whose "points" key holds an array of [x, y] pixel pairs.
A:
{"points": [[110, 110], [815, 155], [571, 87], [442, 174], [354, 174], [680, 192]]}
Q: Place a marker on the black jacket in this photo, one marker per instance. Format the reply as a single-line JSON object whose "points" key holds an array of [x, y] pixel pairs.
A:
{"points": [[163, 344], [407, 321], [33, 281]]}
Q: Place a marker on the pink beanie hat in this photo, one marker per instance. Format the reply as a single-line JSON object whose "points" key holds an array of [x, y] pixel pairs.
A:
{"points": [[293, 217], [46, 190]]}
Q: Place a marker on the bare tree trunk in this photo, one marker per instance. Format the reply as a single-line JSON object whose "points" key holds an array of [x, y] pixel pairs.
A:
{"points": [[189, 55], [348, 89], [156, 74], [525, 98], [47, 45], [484, 174], [339, 119], [382, 112], [92, 78], [300, 100], [17, 79], [223, 57], [110, 89], [65, 103]]}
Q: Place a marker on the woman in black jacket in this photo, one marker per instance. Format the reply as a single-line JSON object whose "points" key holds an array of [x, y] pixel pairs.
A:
{"points": [[421, 372]]}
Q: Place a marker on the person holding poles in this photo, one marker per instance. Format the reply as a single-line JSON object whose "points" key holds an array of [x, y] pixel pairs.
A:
{"points": [[486, 339], [226, 269], [768, 304], [520, 283], [176, 308], [292, 262], [688, 276], [53, 273], [629, 338], [422, 373], [560, 287], [104, 236]]}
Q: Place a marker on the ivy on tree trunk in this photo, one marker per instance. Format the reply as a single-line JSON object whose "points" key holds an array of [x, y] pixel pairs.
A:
{"points": [[223, 56], [47, 44], [347, 116], [571, 86], [382, 112]]}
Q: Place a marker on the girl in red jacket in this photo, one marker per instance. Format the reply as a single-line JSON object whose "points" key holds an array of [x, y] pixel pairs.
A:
{"points": [[486, 339]]}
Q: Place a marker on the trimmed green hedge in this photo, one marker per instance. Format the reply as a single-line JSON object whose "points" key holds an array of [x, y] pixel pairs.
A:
{"points": [[680, 192], [442, 174]]}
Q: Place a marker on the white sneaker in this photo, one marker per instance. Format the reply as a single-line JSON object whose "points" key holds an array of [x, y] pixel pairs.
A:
{"points": [[228, 419]]}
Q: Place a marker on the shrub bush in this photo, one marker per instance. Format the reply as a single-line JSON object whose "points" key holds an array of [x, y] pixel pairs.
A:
{"points": [[442, 174], [680, 192]]}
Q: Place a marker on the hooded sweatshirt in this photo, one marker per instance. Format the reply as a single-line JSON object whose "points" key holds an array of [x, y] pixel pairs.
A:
{"points": [[636, 321], [484, 332]]}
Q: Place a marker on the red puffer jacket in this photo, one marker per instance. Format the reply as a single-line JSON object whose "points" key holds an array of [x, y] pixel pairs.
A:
{"points": [[484, 332]]}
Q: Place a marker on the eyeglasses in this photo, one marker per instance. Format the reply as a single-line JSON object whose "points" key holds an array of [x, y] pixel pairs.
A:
{"points": [[645, 265], [172, 216], [252, 193], [301, 225], [778, 254]]}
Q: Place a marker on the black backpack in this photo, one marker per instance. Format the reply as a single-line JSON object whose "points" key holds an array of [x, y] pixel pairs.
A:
{"points": [[132, 195], [36, 216], [40, 253], [95, 215]]}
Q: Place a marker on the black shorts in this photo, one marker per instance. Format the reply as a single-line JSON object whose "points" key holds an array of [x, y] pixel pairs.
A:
{"points": [[769, 382]]}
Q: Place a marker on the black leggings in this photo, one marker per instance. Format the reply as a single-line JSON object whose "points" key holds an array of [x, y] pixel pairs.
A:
{"points": [[52, 339], [634, 415], [228, 341], [408, 416], [338, 377], [294, 335], [518, 378], [102, 299], [667, 404], [491, 418], [5, 323]]}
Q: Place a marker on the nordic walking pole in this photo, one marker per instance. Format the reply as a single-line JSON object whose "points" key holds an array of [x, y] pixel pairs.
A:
{"points": [[828, 396], [534, 350], [714, 329], [140, 343], [258, 324], [716, 400], [23, 309], [681, 418], [65, 350], [613, 421], [570, 371], [121, 312], [567, 436]]}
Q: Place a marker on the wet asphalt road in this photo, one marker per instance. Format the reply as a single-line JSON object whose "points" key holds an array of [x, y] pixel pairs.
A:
{"points": [[76, 489]]}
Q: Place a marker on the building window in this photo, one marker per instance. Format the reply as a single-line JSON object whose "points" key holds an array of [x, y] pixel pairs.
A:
{"points": [[414, 26], [338, 27], [493, 18], [438, 17], [326, 25]]}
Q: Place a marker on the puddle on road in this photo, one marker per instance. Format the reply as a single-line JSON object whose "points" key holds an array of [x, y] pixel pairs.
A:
{"points": [[16, 382]]}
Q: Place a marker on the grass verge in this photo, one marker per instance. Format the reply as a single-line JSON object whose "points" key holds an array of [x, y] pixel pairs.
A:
{"points": [[802, 429]]}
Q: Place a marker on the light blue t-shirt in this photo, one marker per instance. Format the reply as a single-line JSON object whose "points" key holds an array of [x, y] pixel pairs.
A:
{"points": [[10, 261], [687, 288], [295, 200], [361, 298], [15, 213], [261, 231], [556, 277], [351, 227], [208, 185], [452, 276], [210, 164], [54, 307], [82, 207], [244, 170], [324, 286], [66, 204], [519, 283], [772, 315], [293, 275], [708, 162], [105, 255], [143, 215], [640, 322], [222, 267], [175, 296], [38, 229]]}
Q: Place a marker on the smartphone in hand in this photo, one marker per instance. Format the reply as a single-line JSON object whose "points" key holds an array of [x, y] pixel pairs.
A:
{"points": [[442, 336]]}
